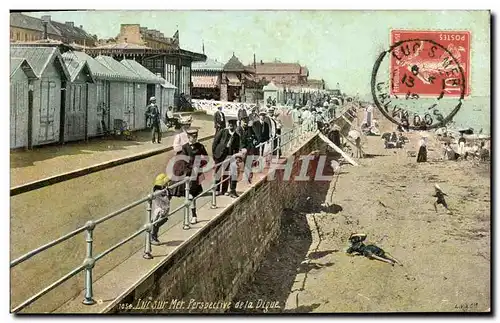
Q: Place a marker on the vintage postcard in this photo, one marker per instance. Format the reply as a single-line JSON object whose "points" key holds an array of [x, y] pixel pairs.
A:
{"points": [[222, 162]]}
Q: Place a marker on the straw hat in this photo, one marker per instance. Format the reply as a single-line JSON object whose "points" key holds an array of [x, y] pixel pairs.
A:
{"points": [[161, 180], [436, 186]]}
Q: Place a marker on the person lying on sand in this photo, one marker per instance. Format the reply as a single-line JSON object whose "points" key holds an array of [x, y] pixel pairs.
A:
{"points": [[440, 198], [370, 251]]}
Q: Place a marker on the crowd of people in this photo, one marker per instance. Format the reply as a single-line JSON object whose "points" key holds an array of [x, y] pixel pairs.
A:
{"points": [[252, 133]]}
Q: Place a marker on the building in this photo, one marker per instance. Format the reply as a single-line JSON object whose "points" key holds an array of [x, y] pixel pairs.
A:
{"points": [[280, 73], [24, 28], [206, 79], [169, 62], [21, 101], [135, 34], [157, 86], [235, 79], [45, 121], [315, 84], [76, 109]]}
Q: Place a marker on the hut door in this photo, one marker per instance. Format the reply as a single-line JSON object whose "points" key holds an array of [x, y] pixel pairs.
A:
{"points": [[102, 106], [47, 111], [18, 114], [129, 114], [75, 113]]}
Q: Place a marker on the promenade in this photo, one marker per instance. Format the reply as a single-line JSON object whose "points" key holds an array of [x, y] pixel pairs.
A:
{"points": [[47, 161]]}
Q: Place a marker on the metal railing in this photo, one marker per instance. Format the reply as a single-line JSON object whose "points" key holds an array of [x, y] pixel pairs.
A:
{"points": [[292, 136]]}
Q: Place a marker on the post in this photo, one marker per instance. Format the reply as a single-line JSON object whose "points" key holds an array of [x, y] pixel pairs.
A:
{"points": [[89, 263], [278, 149], [186, 207], [214, 190], [149, 227]]}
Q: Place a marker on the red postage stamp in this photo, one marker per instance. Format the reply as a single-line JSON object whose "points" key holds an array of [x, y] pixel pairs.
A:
{"points": [[432, 55]]}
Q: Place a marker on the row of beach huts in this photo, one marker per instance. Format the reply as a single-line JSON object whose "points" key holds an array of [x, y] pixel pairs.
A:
{"points": [[56, 98]]}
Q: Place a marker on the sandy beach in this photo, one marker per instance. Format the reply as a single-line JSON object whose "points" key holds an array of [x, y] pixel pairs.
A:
{"points": [[446, 258]]}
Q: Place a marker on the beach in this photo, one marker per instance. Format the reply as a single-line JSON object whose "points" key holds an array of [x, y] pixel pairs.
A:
{"points": [[445, 257]]}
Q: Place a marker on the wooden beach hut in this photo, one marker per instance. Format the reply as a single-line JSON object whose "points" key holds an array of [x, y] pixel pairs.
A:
{"points": [[128, 98], [45, 123], [156, 86], [21, 101], [99, 95], [76, 113]]}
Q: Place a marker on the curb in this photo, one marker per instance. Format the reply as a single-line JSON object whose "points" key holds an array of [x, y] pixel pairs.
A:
{"points": [[31, 186]]}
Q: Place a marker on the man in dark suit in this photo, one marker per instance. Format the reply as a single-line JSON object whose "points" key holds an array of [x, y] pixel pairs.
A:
{"points": [[271, 121], [226, 143], [261, 130], [219, 120], [242, 113], [153, 119], [248, 141]]}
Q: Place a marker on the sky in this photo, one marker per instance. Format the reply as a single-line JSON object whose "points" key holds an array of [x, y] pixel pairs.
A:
{"points": [[337, 46]]}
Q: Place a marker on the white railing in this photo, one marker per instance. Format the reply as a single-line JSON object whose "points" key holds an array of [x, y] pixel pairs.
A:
{"points": [[230, 109]]}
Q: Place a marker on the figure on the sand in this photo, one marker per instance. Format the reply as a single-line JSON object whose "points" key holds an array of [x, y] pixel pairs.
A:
{"points": [[370, 251], [422, 151], [440, 198]]}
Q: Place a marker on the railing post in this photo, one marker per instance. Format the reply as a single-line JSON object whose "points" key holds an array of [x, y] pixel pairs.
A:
{"points": [[278, 148], [214, 190], [149, 227], [186, 207], [89, 263]]}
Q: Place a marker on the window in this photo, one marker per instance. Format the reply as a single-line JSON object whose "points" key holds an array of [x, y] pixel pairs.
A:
{"points": [[11, 34], [159, 63], [18, 36], [25, 37]]}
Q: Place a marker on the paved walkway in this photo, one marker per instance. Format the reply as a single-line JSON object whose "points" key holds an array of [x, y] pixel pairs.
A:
{"points": [[43, 162]]}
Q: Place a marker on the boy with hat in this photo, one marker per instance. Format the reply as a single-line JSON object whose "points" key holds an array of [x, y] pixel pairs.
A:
{"points": [[160, 206], [226, 143], [192, 150]]}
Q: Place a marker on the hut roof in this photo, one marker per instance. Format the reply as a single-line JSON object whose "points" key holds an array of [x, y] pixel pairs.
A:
{"points": [[270, 87], [16, 63], [234, 65], [98, 70], [142, 72], [75, 67], [39, 58], [119, 68], [208, 65]]}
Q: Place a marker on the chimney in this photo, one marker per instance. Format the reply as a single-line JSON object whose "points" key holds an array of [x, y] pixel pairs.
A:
{"points": [[261, 62], [45, 22], [254, 64], [70, 24], [81, 26]]}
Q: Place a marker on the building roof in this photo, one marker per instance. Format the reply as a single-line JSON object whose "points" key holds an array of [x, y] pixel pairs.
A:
{"points": [[208, 65], [70, 31], [118, 67], [39, 58], [24, 21], [142, 72], [16, 63], [122, 46], [76, 66], [98, 70], [270, 87], [278, 68], [234, 65], [314, 81]]}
